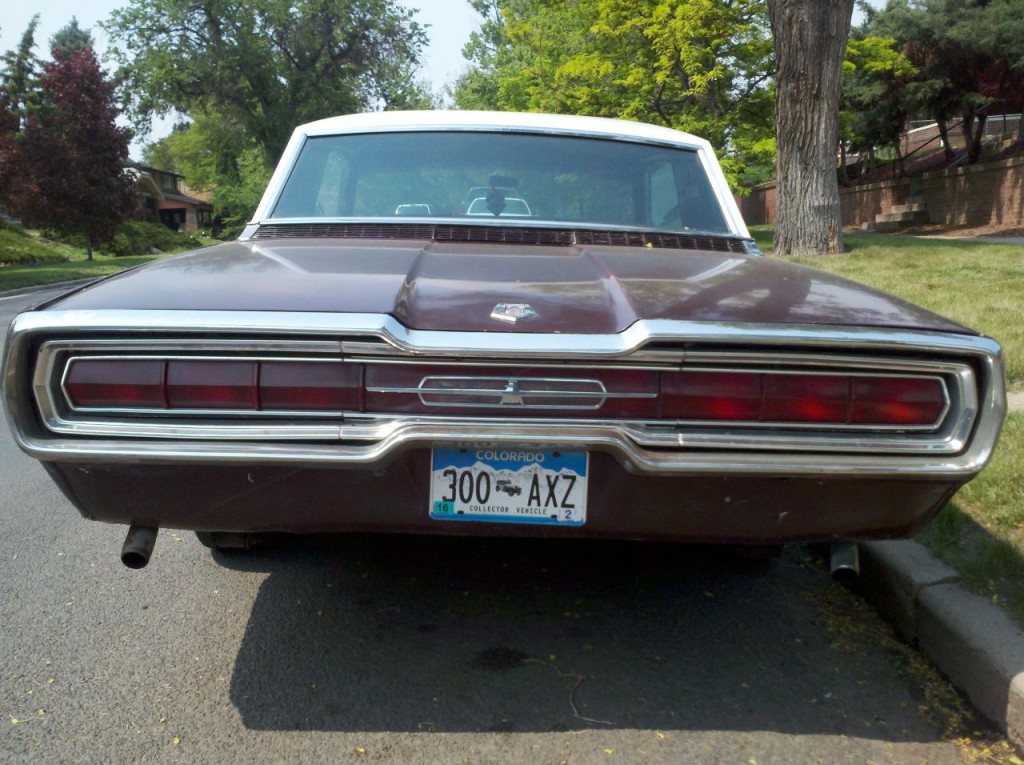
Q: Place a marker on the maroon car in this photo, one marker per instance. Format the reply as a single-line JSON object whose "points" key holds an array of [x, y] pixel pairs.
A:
{"points": [[599, 350]]}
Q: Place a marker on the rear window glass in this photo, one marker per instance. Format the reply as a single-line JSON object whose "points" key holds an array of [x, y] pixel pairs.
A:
{"points": [[512, 178]]}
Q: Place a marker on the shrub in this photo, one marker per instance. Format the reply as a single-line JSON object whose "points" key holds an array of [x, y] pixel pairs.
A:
{"points": [[135, 237], [141, 238], [17, 246]]}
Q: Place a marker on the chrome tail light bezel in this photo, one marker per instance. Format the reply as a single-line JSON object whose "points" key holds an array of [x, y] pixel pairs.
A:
{"points": [[960, 443]]}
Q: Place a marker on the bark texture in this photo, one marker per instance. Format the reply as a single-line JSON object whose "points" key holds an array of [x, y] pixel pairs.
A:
{"points": [[810, 43]]}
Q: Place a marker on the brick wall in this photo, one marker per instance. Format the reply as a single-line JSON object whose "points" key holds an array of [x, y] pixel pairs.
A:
{"points": [[978, 195]]}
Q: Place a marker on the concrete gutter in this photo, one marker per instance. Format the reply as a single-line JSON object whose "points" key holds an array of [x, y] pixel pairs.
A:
{"points": [[971, 640], [55, 287]]}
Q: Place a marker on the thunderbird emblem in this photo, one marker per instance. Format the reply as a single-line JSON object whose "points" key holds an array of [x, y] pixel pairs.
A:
{"points": [[512, 396], [512, 312]]}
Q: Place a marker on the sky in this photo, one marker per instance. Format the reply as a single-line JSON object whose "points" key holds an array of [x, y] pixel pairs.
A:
{"points": [[450, 24]]}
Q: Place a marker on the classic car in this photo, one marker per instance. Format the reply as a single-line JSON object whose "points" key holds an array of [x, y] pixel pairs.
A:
{"points": [[623, 364]]}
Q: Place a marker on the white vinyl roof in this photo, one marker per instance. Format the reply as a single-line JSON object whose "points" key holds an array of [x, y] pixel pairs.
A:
{"points": [[368, 122]]}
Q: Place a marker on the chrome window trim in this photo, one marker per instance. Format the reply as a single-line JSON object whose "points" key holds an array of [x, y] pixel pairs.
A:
{"points": [[637, 445]]}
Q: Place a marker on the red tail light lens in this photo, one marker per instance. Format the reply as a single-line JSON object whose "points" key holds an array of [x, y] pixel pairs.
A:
{"points": [[897, 401], [310, 386], [806, 398], [113, 383], [712, 396], [803, 398], [212, 385]]}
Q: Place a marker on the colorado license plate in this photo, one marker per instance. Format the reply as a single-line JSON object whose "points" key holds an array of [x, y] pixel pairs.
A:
{"points": [[509, 485]]}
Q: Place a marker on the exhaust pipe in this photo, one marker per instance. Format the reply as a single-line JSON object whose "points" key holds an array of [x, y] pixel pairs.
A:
{"points": [[845, 562], [138, 546]]}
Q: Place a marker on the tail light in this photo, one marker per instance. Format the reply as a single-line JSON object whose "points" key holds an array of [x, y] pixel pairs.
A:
{"points": [[774, 398], [115, 383], [778, 398], [213, 384]]}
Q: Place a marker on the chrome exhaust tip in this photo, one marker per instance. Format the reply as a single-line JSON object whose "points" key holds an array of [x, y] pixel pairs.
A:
{"points": [[844, 562], [138, 546]]}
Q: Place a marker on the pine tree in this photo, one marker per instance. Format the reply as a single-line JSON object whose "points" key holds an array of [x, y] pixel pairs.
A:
{"points": [[18, 76], [75, 153]]}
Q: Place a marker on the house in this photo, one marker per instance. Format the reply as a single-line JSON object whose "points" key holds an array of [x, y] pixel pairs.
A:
{"points": [[162, 200]]}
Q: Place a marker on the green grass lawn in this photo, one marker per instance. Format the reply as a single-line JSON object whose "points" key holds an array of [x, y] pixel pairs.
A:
{"points": [[981, 532], [974, 283], [28, 259]]}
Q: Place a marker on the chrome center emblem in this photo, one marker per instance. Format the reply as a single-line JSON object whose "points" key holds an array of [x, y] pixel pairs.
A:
{"points": [[512, 396], [512, 312]]}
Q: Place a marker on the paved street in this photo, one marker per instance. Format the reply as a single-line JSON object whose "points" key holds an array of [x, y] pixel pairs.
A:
{"points": [[381, 649]]}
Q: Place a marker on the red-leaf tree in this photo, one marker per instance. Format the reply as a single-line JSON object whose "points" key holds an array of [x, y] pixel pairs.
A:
{"points": [[12, 168], [75, 154]]}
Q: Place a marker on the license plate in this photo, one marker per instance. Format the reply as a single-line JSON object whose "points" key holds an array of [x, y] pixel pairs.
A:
{"points": [[509, 485]]}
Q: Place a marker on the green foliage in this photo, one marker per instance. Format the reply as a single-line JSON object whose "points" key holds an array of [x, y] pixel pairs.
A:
{"points": [[873, 109], [237, 201], [700, 66], [265, 66], [71, 37], [135, 237], [981, 533], [968, 54], [216, 155], [145, 238], [19, 78], [74, 152], [17, 246]]}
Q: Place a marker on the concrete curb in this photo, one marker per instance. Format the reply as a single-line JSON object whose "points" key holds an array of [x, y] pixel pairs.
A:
{"points": [[971, 640], [48, 287]]}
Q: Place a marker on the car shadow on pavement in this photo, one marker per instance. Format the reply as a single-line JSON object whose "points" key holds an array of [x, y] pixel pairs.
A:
{"points": [[393, 633]]}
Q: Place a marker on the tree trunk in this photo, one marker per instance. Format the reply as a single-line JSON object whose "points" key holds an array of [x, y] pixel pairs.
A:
{"points": [[974, 131], [810, 43], [88, 247], [947, 146]]}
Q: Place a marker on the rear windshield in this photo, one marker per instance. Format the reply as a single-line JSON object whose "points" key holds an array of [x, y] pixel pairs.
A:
{"points": [[510, 178]]}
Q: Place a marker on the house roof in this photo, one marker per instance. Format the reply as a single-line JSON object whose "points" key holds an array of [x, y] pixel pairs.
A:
{"points": [[201, 203]]}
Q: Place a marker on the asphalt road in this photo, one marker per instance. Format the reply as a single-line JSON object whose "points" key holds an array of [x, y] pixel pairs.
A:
{"points": [[382, 649]]}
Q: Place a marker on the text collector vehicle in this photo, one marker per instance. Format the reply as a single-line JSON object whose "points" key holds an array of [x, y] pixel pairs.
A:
{"points": [[616, 359]]}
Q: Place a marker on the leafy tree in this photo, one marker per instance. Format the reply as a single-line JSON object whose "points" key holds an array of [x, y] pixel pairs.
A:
{"points": [[702, 66], [873, 109], [215, 155], [1005, 36], [969, 55], [266, 65], [477, 88], [810, 42], [12, 167], [18, 76], [75, 153]]}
